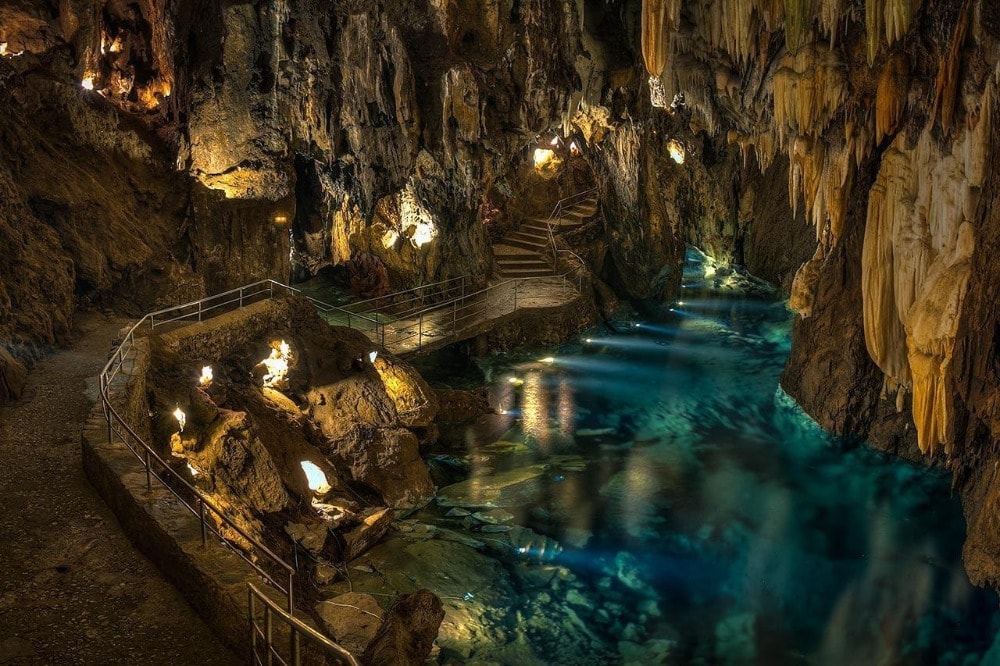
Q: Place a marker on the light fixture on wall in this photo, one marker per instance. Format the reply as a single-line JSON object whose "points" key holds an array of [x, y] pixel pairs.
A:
{"points": [[206, 377], [181, 417]]}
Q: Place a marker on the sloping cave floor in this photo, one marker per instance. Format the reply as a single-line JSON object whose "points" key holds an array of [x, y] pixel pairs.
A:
{"points": [[73, 590]]}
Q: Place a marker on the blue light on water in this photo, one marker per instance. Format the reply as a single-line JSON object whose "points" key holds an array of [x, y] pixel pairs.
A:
{"points": [[697, 506]]}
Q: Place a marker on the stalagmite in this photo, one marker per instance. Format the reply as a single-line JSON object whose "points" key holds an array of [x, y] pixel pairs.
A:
{"points": [[890, 102]]}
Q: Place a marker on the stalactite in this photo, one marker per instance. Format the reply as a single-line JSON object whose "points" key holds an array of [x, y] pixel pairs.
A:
{"points": [[799, 16], [890, 100], [809, 88], [946, 85], [888, 19], [740, 27], [659, 18], [915, 263]]}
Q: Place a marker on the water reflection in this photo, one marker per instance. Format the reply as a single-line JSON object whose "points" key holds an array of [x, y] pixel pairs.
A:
{"points": [[699, 516]]}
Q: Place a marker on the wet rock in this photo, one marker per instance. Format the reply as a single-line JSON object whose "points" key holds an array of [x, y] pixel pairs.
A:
{"points": [[515, 487], [407, 632], [324, 574], [735, 639], [374, 524], [656, 651], [350, 619], [494, 516]]}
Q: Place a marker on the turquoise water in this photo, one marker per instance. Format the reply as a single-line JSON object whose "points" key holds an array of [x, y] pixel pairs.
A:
{"points": [[702, 516]]}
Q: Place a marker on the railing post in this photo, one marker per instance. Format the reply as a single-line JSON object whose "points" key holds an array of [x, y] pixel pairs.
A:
{"points": [[149, 473], [348, 319], [270, 289], [201, 517], [199, 310], [291, 593], [420, 332], [268, 642], [454, 318], [296, 655], [252, 621], [241, 298]]}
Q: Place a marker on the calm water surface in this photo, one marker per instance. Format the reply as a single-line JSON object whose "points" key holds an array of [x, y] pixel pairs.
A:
{"points": [[704, 518]]}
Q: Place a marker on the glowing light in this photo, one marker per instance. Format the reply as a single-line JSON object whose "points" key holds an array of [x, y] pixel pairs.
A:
{"points": [[543, 156], [389, 239], [589, 340], [315, 477], [424, 233], [516, 381], [676, 150], [206, 376], [181, 417], [115, 47], [281, 219], [3, 48], [191, 468], [277, 364], [574, 149], [657, 94], [88, 82], [548, 359], [372, 356], [709, 271], [680, 303], [554, 141]]}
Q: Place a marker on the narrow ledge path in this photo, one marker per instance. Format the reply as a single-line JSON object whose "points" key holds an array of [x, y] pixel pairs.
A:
{"points": [[73, 589]]}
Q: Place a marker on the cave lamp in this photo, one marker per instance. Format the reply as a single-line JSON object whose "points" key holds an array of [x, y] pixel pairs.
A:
{"points": [[676, 150], [372, 356], [277, 363], [206, 377], [181, 418], [88, 82]]}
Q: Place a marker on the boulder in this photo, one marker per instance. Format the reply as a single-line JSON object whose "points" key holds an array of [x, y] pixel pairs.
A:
{"points": [[459, 406], [350, 619], [311, 537], [407, 632], [388, 461], [416, 402], [374, 524]]}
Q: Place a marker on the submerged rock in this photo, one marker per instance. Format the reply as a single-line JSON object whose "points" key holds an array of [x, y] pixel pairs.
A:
{"points": [[515, 487], [374, 524]]}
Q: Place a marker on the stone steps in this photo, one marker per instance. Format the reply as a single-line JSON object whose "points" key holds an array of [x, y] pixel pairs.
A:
{"points": [[527, 251]]}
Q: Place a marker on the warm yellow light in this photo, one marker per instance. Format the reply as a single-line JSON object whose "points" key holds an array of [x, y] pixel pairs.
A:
{"points": [[193, 470], [281, 219], [116, 46], [277, 364], [181, 417], [389, 239], [548, 359], [88, 82], [554, 142], [676, 150], [543, 156], [372, 356], [316, 478], [424, 233], [3, 48], [206, 376]]}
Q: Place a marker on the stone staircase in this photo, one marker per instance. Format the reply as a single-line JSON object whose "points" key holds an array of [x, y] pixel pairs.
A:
{"points": [[527, 252]]}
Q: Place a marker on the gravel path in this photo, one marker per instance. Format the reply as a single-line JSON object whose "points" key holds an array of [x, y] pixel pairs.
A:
{"points": [[73, 590]]}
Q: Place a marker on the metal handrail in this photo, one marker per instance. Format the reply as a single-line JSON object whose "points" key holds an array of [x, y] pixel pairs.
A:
{"points": [[557, 211], [461, 278], [455, 304], [118, 427], [297, 630]]}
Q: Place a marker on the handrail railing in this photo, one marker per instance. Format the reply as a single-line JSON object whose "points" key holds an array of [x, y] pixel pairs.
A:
{"points": [[557, 212], [430, 323], [264, 649]]}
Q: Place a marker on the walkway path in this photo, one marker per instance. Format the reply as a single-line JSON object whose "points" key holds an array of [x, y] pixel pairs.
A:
{"points": [[73, 590]]}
